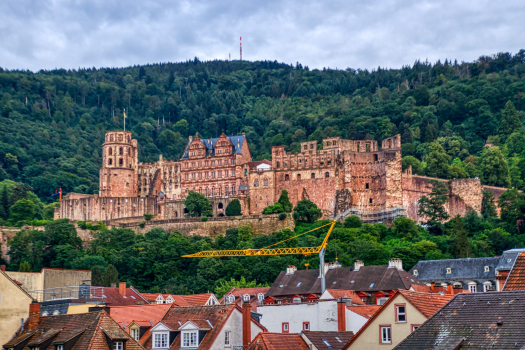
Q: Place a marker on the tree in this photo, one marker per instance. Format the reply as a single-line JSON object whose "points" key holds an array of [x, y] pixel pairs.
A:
{"points": [[353, 221], [20, 191], [417, 167], [512, 206], [23, 209], [233, 208], [510, 121], [148, 216], [307, 211], [110, 275], [432, 206], [285, 202], [437, 161], [4, 203], [460, 247], [224, 286], [488, 207], [198, 205], [24, 267], [405, 228], [494, 167]]}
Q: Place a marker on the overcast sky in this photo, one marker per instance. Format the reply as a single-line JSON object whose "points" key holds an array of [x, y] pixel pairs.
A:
{"points": [[44, 34]]}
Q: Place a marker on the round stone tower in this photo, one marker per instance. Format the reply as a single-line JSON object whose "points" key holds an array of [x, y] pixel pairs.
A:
{"points": [[118, 174]]}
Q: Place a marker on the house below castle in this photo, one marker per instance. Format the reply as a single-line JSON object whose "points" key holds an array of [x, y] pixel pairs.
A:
{"points": [[342, 177]]}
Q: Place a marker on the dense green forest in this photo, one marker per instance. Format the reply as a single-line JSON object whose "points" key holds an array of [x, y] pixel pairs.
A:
{"points": [[53, 122]]}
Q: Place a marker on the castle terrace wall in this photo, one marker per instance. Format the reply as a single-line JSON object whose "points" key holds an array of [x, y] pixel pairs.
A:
{"points": [[95, 208], [260, 224]]}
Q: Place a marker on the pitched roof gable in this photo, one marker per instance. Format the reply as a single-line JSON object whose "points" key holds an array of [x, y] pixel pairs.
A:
{"points": [[341, 293], [114, 298], [366, 311], [516, 279], [336, 340], [148, 312], [278, 341], [492, 320]]}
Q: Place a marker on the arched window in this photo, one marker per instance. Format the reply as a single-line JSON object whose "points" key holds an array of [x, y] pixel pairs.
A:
{"points": [[145, 182], [220, 206], [298, 176], [220, 191], [256, 183], [120, 138], [110, 162], [265, 182], [110, 151], [327, 174], [227, 190], [286, 177]]}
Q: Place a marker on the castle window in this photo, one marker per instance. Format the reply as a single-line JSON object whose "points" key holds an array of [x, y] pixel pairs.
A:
{"points": [[278, 164], [357, 147], [110, 151], [327, 144], [219, 173], [206, 163], [213, 174], [110, 162], [389, 143], [200, 176], [233, 161], [120, 138], [120, 161], [256, 183], [186, 165], [220, 162], [286, 177], [311, 146], [207, 191], [333, 143], [220, 206], [327, 174], [111, 138], [212, 163], [368, 147], [367, 186], [226, 190], [370, 200], [298, 176], [305, 147], [207, 175], [265, 182], [375, 158], [226, 162], [232, 173], [285, 164], [121, 150], [200, 164], [312, 176]]}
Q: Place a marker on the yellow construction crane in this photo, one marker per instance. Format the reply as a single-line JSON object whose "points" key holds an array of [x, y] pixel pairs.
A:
{"points": [[277, 251]]}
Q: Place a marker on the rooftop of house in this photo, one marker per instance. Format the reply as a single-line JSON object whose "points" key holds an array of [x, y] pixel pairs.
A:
{"points": [[460, 269], [328, 340], [278, 341], [366, 279], [516, 278], [341, 293], [474, 321], [211, 318], [237, 142], [256, 163], [115, 297], [508, 259], [426, 303], [239, 293], [124, 315], [366, 311], [81, 331], [180, 300]]}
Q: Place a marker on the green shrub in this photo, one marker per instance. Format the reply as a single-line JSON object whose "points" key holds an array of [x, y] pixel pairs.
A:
{"points": [[273, 209], [142, 224], [233, 208], [282, 216], [148, 217], [204, 219]]}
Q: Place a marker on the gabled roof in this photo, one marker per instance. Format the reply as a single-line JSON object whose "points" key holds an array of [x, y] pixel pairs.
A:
{"points": [[368, 279], [516, 278], [114, 298], [366, 311], [461, 269], [239, 293], [278, 341], [216, 315], [237, 142], [492, 320], [182, 300], [124, 315], [87, 330], [259, 162], [336, 340], [341, 293], [426, 303], [508, 258]]}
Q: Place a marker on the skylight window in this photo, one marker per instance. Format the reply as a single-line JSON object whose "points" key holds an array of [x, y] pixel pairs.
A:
{"points": [[298, 284], [371, 285], [334, 282], [338, 339], [352, 281], [327, 343]]}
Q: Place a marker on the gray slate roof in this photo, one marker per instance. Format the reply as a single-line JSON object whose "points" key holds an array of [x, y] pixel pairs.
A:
{"points": [[462, 269], [367, 279], [509, 258], [237, 142], [473, 321]]}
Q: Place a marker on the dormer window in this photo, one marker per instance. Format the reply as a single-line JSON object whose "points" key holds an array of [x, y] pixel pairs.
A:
{"points": [[415, 273], [160, 340], [487, 269], [189, 339], [118, 345], [246, 298], [449, 270], [260, 297]]}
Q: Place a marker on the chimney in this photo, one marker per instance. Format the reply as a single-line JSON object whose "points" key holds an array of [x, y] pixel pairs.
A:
{"points": [[395, 263], [450, 289], [34, 316], [438, 288], [290, 270], [358, 264], [122, 288], [246, 324], [341, 315], [2, 268]]}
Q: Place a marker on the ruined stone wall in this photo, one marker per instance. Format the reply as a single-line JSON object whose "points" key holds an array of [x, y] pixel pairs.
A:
{"points": [[95, 208], [261, 225], [261, 190], [464, 194], [177, 209]]}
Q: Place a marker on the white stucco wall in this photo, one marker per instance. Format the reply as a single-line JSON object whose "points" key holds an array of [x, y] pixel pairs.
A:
{"points": [[234, 326], [354, 321]]}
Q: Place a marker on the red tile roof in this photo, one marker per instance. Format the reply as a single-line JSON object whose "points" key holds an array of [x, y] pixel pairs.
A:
{"points": [[141, 314], [366, 311], [341, 293], [113, 297], [516, 279], [278, 341], [87, 331], [422, 289], [426, 303], [238, 293], [181, 300]]}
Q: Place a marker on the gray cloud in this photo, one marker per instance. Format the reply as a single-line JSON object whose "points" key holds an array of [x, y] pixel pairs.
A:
{"points": [[331, 33]]}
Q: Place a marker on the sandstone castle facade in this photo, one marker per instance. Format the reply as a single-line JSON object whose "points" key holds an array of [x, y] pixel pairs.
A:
{"points": [[343, 177]]}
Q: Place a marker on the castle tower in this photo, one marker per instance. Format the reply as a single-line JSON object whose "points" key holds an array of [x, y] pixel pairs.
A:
{"points": [[118, 174]]}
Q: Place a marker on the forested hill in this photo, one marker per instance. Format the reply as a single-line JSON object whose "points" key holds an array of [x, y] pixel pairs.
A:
{"points": [[52, 123]]}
